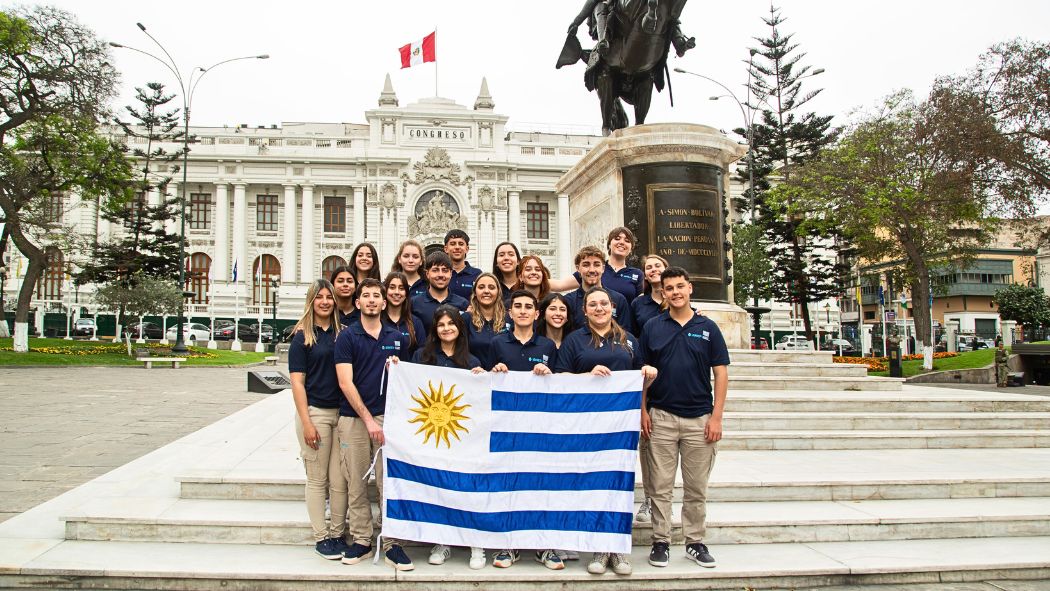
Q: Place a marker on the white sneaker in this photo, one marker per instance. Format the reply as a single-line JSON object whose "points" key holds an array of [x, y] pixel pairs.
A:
{"points": [[439, 554], [477, 558], [645, 512], [505, 558], [599, 561], [620, 564]]}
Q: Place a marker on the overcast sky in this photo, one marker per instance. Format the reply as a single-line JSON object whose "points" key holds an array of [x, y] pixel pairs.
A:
{"points": [[328, 59]]}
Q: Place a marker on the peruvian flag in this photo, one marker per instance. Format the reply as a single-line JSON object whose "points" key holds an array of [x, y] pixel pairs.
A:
{"points": [[419, 52]]}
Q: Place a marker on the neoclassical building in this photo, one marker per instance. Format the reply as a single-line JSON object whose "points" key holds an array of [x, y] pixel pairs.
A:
{"points": [[280, 205]]}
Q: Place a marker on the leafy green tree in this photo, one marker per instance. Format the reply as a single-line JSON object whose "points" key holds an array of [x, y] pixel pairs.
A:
{"points": [[55, 79], [751, 269], [1028, 306], [145, 296]]}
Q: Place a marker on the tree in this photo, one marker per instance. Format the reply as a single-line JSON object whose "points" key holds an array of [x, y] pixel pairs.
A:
{"points": [[751, 269], [141, 297], [804, 268], [1028, 306], [55, 78]]}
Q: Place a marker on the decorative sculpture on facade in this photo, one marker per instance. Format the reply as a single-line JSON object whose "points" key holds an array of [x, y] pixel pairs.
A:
{"points": [[436, 213]]}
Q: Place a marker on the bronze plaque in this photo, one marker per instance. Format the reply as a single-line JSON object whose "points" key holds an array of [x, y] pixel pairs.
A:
{"points": [[685, 227]]}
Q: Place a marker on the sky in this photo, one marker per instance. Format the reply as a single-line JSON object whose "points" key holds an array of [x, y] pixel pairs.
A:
{"points": [[328, 59]]}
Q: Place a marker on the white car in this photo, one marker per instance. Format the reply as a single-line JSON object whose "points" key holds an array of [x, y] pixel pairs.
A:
{"points": [[794, 343], [191, 332]]}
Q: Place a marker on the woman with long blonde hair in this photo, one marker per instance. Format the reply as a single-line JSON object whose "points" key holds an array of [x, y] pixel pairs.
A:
{"points": [[315, 390], [486, 316]]}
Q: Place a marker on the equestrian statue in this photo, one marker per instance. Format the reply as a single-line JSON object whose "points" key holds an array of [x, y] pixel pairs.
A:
{"points": [[633, 39]]}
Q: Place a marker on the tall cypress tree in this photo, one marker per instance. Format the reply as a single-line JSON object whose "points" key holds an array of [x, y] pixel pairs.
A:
{"points": [[805, 268]]}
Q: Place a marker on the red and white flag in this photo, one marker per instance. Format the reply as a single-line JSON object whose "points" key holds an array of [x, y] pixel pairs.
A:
{"points": [[419, 52]]}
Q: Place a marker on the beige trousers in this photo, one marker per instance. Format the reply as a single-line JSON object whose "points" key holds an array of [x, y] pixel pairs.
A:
{"points": [[324, 475], [644, 461], [357, 450], [675, 437]]}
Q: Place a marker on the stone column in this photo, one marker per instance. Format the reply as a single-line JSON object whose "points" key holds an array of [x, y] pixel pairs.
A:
{"points": [[289, 242], [153, 200], [564, 245], [171, 224], [358, 228], [514, 217], [307, 273], [220, 262], [240, 234]]}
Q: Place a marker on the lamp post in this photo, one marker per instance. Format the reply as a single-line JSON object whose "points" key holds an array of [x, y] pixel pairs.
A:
{"points": [[274, 283], [188, 86]]}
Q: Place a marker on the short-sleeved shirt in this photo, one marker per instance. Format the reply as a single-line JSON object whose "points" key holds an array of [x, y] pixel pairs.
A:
{"points": [[442, 360], [621, 309], [408, 347], [519, 356], [419, 287], [348, 319], [627, 281], [424, 306], [644, 308], [463, 281], [368, 357], [684, 356], [317, 362], [504, 291], [579, 355], [481, 340]]}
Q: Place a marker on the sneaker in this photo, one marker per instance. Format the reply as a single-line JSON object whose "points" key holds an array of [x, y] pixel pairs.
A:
{"points": [[599, 561], [439, 554], [567, 555], [620, 564], [397, 558], [327, 549], [505, 558], [477, 558], [699, 553], [549, 559], [356, 553], [340, 545], [658, 555], [645, 512]]}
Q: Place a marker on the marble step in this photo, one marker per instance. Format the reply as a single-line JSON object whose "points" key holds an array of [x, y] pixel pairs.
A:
{"points": [[900, 421], [773, 356], [219, 567], [928, 400], [285, 522], [772, 382], [822, 370], [885, 439]]}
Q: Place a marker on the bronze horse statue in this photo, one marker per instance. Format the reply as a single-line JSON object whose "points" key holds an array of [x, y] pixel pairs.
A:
{"points": [[633, 41]]}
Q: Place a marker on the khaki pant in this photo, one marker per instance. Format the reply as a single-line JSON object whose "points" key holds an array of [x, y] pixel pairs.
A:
{"points": [[644, 461], [357, 450], [324, 475], [673, 437]]}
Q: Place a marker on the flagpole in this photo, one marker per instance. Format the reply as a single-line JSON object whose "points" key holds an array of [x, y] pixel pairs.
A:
{"points": [[436, 93]]}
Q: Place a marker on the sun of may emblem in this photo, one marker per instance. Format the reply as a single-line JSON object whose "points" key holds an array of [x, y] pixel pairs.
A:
{"points": [[438, 414]]}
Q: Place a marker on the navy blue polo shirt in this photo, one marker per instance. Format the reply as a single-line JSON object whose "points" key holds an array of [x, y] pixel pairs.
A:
{"points": [[322, 385], [481, 340], [424, 306], [419, 287], [408, 347], [463, 281], [628, 281], [579, 355], [442, 360], [368, 356], [519, 356], [684, 356], [644, 308], [348, 319], [621, 309]]}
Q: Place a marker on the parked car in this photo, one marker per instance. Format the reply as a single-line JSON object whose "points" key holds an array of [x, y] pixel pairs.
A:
{"points": [[85, 327], [794, 343], [835, 344], [762, 343], [267, 331], [245, 333], [150, 330], [286, 334], [191, 332]]}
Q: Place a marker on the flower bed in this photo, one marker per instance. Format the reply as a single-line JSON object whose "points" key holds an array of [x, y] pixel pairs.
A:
{"points": [[110, 349], [882, 363]]}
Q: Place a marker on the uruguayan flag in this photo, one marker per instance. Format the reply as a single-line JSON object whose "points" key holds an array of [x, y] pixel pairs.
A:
{"points": [[511, 460]]}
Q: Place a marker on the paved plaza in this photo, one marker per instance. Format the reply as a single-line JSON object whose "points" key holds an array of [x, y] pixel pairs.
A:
{"points": [[65, 426]]}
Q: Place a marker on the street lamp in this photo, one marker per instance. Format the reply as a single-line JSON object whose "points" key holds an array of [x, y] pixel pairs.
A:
{"points": [[188, 87], [274, 283]]}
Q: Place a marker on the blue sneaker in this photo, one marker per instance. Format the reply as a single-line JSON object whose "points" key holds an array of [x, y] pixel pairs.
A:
{"points": [[397, 558], [340, 545], [327, 549], [356, 553]]}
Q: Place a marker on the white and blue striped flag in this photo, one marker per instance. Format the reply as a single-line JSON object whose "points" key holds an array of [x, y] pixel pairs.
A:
{"points": [[511, 460]]}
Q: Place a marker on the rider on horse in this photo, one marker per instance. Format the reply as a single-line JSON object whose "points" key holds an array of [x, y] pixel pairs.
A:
{"points": [[598, 12]]}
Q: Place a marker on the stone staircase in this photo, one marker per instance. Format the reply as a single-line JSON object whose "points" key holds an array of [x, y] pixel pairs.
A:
{"points": [[811, 489]]}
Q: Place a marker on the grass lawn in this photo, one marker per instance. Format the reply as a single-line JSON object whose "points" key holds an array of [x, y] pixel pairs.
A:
{"points": [[60, 352], [968, 360]]}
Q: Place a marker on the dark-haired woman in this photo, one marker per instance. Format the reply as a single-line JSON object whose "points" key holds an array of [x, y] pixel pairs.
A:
{"points": [[315, 390], [599, 348], [409, 260], [365, 262], [505, 267], [398, 312], [650, 303], [555, 318], [485, 317], [342, 278]]}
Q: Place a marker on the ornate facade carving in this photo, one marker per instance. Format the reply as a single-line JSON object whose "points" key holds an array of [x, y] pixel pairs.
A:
{"points": [[436, 166], [436, 212], [388, 196]]}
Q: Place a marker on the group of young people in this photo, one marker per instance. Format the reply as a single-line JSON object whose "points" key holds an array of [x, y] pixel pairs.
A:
{"points": [[439, 310]]}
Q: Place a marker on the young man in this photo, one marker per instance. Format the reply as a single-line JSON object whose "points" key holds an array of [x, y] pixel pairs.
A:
{"points": [[681, 414], [361, 352], [457, 245], [439, 273], [590, 264]]}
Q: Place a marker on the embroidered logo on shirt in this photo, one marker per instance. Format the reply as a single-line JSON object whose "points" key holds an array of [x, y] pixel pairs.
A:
{"points": [[703, 335]]}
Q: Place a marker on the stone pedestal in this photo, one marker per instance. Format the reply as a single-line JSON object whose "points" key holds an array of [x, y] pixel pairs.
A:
{"points": [[669, 184]]}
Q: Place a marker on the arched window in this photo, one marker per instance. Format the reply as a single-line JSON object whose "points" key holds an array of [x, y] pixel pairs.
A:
{"points": [[263, 290], [330, 263], [50, 285], [198, 277]]}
